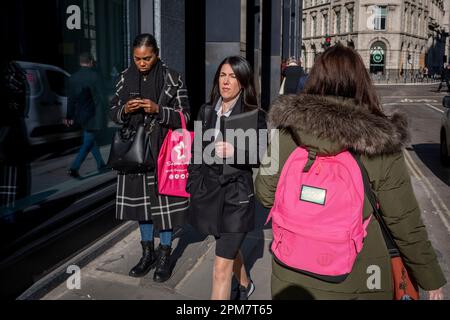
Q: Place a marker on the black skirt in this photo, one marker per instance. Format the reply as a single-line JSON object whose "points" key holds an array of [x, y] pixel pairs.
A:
{"points": [[221, 204]]}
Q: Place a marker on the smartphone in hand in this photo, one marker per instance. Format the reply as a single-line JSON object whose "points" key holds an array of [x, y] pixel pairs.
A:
{"points": [[132, 104], [134, 96]]}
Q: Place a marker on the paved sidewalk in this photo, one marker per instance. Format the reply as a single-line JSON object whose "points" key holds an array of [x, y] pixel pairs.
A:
{"points": [[106, 277]]}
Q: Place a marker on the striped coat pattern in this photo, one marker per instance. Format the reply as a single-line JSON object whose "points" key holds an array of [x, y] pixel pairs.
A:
{"points": [[137, 194]]}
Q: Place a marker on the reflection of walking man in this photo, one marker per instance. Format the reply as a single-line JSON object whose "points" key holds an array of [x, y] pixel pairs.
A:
{"points": [[85, 106]]}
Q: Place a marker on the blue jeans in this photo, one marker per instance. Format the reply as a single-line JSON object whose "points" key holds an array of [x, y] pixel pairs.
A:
{"points": [[88, 145], [165, 236]]}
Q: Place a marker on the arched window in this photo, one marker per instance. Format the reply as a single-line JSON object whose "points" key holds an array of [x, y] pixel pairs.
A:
{"points": [[377, 57]]}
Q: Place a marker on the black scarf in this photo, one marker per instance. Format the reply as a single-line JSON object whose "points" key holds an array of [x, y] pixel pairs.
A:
{"points": [[150, 86]]}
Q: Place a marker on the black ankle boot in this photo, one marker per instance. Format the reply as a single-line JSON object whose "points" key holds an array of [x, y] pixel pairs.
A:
{"points": [[147, 261], [163, 271]]}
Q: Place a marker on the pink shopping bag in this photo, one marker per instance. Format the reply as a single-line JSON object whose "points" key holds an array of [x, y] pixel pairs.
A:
{"points": [[173, 161]]}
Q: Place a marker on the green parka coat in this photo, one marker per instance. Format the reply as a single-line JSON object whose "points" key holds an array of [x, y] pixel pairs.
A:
{"points": [[329, 125]]}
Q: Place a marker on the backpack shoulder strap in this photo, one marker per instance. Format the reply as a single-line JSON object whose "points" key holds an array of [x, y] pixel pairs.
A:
{"points": [[312, 155], [371, 196]]}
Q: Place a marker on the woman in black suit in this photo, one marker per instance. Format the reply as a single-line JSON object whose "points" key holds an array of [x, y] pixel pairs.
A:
{"points": [[222, 195]]}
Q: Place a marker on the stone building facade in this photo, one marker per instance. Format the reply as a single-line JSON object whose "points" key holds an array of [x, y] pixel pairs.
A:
{"points": [[396, 39]]}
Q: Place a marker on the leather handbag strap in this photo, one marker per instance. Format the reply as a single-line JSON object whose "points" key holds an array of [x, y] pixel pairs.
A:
{"points": [[183, 120], [207, 112]]}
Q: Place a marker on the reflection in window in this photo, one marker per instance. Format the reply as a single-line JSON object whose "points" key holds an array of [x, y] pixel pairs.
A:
{"points": [[325, 24], [304, 27], [377, 57], [57, 82], [349, 20], [337, 26], [304, 53], [380, 14], [34, 81], [89, 25], [42, 187], [419, 25], [406, 20], [414, 26], [314, 26]]}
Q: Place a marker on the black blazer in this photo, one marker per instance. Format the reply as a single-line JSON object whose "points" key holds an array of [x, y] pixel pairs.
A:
{"points": [[221, 203], [208, 116]]}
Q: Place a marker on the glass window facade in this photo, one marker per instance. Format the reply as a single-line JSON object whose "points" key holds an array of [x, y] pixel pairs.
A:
{"points": [[380, 16], [45, 40], [337, 25], [325, 24], [314, 26], [349, 20], [303, 27], [377, 58]]}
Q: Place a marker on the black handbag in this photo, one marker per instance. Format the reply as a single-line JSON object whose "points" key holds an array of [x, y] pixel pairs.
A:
{"points": [[130, 149]]}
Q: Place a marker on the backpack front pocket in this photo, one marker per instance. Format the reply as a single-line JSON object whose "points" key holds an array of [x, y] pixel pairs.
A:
{"points": [[314, 251]]}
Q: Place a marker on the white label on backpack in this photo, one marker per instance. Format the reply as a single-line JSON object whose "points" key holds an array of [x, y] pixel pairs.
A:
{"points": [[312, 194]]}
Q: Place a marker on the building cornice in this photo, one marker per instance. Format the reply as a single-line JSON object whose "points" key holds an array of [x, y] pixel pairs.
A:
{"points": [[350, 5], [317, 6], [337, 8]]}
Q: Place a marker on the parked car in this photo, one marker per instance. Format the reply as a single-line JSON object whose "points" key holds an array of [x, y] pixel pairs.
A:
{"points": [[445, 132], [46, 104]]}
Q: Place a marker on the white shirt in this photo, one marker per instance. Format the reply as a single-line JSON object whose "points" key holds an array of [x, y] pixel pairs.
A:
{"points": [[218, 110]]}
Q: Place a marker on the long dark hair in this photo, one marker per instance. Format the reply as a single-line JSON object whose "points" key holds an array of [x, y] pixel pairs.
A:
{"points": [[147, 40], [244, 75], [340, 71]]}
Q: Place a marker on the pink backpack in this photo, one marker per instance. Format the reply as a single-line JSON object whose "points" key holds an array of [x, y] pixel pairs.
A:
{"points": [[317, 217]]}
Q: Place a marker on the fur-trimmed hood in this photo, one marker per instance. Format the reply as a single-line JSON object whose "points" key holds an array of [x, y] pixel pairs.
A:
{"points": [[339, 122]]}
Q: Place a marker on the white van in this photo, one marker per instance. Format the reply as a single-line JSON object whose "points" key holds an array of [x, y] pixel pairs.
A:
{"points": [[46, 104]]}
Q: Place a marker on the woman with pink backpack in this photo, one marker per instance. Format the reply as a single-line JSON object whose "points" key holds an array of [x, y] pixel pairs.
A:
{"points": [[341, 195]]}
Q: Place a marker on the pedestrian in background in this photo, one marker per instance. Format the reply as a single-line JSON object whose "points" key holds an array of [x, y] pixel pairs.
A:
{"points": [[292, 74], [150, 91], [445, 77], [425, 72], [340, 110], [86, 106], [223, 204]]}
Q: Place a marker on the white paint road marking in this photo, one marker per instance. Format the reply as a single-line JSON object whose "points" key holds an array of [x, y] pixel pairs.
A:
{"points": [[435, 108], [428, 187], [417, 100], [426, 104]]}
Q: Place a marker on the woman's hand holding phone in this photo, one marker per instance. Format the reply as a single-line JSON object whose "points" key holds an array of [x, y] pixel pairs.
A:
{"points": [[149, 106], [133, 104], [136, 102]]}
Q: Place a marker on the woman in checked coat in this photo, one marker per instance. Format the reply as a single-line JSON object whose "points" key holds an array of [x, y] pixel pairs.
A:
{"points": [[161, 94]]}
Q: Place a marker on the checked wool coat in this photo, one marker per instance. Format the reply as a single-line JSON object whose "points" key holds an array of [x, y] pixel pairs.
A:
{"points": [[137, 194]]}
